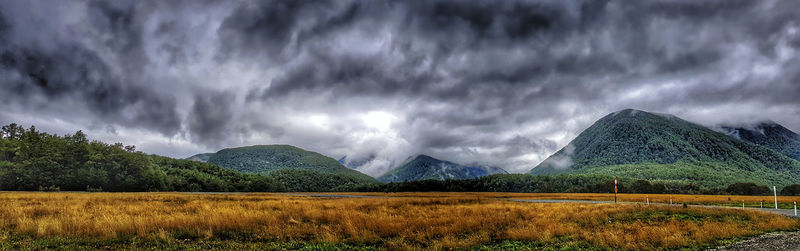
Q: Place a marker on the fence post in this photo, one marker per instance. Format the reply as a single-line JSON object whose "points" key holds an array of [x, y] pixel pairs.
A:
{"points": [[742, 204], [648, 200], [795, 208]]}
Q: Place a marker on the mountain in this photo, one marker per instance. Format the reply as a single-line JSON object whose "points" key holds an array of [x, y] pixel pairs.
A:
{"points": [[268, 158], [660, 147], [354, 163], [767, 134], [422, 167], [203, 157]]}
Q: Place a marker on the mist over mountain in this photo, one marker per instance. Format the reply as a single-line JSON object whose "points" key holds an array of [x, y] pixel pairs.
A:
{"points": [[355, 163], [768, 134], [423, 167], [202, 157]]}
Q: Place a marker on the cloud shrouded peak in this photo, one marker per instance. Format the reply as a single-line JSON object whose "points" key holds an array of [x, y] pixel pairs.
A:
{"points": [[503, 84]]}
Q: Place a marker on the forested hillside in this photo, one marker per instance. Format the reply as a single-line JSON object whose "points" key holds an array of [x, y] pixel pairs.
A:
{"points": [[637, 144], [768, 134], [264, 159], [33, 160]]}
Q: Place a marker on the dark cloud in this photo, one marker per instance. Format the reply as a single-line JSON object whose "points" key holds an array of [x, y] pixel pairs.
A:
{"points": [[499, 83], [211, 116], [77, 74]]}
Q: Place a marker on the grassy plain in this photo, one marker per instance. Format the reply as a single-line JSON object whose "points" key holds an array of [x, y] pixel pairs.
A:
{"points": [[31, 220]]}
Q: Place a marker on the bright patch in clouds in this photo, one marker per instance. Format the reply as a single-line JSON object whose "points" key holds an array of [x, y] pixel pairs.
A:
{"points": [[381, 121]]}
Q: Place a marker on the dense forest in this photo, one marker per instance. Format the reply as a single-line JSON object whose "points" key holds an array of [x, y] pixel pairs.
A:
{"points": [[567, 183], [33, 160]]}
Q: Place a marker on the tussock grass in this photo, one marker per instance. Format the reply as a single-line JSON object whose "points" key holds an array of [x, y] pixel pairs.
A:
{"points": [[428, 221]]}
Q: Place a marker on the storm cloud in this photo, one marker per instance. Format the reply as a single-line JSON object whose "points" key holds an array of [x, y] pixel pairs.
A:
{"points": [[492, 83]]}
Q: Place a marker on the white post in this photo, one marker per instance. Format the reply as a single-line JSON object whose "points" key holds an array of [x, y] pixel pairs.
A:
{"points": [[742, 204], [795, 208], [762, 204], [775, 192], [648, 200]]}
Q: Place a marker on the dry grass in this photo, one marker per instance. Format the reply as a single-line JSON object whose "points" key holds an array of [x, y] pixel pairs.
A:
{"points": [[429, 220]]}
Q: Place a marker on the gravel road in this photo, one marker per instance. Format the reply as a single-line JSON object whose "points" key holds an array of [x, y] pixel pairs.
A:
{"points": [[769, 241]]}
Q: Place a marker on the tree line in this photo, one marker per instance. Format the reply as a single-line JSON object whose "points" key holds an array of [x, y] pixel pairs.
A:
{"points": [[568, 183], [31, 160]]}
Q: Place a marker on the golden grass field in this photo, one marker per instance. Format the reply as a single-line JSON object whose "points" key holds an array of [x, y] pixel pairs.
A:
{"points": [[413, 221]]}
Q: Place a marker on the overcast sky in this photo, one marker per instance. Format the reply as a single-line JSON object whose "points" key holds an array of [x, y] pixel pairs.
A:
{"points": [[501, 83]]}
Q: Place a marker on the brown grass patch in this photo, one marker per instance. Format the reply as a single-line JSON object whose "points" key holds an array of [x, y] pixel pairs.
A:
{"points": [[427, 220]]}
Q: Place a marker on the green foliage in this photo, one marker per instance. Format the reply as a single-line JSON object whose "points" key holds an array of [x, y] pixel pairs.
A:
{"points": [[641, 145], [504, 183], [561, 183], [747, 189], [32, 160], [705, 175], [791, 190], [306, 180], [268, 158]]}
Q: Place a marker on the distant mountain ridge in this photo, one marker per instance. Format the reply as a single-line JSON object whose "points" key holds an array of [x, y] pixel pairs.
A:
{"points": [[422, 167], [203, 157], [637, 144], [767, 134], [265, 159]]}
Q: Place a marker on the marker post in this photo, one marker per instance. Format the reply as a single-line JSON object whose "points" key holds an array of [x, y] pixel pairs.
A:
{"points": [[615, 190], [775, 192]]}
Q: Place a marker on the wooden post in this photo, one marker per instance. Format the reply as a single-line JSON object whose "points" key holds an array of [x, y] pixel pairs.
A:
{"points": [[648, 200], [742, 204], [795, 208]]}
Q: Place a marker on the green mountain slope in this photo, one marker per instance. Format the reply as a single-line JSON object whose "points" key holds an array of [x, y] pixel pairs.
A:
{"points": [[768, 134], [423, 167], [33, 160], [637, 144], [268, 158]]}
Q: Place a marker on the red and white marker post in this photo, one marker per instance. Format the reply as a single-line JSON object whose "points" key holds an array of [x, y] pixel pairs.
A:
{"points": [[615, 190]]}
